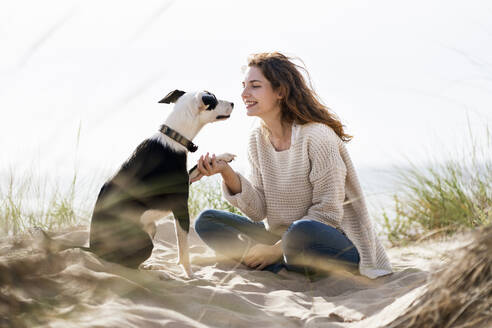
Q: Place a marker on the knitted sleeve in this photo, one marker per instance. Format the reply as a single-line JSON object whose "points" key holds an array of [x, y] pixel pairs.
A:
{"points": [[327, 177], [251, 199]]}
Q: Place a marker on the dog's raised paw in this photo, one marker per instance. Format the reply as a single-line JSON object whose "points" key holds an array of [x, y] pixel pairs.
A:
{"points": [[226, 157], [194, 173]]}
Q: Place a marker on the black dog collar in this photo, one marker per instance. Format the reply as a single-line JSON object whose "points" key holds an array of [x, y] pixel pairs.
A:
{"points": [[175, 135]]}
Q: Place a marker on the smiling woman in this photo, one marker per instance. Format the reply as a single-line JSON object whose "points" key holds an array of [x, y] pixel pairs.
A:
{"points": [[297, 102], [304, 205]]}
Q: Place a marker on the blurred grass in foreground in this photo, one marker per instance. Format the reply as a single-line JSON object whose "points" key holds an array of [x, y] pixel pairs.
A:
{"points": [[442, 198]]}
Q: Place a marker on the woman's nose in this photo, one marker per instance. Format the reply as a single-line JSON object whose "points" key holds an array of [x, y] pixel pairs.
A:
{"points": [[244, 93]]}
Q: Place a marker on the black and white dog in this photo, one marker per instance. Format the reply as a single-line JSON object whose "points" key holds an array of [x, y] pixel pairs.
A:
{"points": [[152, 183]]}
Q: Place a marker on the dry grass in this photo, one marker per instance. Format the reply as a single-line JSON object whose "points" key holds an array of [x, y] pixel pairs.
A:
{"points": [[461, 295]]}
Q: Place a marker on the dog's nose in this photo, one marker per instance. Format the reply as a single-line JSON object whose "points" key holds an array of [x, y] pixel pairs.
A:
{"points": [[232, 105]]}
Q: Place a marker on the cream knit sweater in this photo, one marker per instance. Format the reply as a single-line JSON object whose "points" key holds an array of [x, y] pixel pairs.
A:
{"points": [[313, 179]]}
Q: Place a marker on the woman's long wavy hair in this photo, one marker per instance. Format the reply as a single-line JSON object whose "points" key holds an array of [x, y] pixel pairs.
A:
{"points": [[299, 103]]}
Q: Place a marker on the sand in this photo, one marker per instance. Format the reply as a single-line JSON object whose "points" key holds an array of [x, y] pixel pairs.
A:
{"points": [[74, 288]]}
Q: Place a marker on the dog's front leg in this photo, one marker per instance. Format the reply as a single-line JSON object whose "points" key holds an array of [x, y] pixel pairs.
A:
{"points": [[182, 226], [183, 249]]}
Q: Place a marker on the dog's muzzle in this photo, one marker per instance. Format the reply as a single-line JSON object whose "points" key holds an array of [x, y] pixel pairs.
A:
{"points": [[225, 117]]}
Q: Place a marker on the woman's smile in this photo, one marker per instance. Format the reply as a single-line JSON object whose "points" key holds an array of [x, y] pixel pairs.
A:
{"points": [[250, 103]]}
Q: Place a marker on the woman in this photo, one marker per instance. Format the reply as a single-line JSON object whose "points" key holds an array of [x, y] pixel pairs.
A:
{"points": [[304, 204]]}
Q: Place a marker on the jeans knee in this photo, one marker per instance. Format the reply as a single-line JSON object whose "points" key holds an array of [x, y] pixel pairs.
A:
{"points": [[203, 219], [300, 228], [297, 235]]}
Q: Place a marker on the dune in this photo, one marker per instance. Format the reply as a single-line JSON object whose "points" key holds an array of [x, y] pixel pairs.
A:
{"points": [[74, 288]]}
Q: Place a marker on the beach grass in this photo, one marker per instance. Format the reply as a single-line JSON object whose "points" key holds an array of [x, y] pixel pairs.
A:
{"points": [[32, 199], [207, 194], [435, 200], [442, 197]]}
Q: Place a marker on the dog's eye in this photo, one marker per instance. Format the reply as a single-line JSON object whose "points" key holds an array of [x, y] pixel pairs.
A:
{"points": [[210, 100]]}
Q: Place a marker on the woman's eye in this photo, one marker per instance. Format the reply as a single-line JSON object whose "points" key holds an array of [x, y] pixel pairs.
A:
{"points": [[255, 86]]}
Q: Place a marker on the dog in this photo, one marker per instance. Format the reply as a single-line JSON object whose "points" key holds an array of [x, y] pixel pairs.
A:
{"points": [[154, 182]]}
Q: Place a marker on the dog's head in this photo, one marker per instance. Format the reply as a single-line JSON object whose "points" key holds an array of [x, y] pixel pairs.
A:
{"points": [[200, 106]]}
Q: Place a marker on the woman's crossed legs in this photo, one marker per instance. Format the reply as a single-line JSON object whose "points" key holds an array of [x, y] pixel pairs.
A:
{"points": [[308, 246]]}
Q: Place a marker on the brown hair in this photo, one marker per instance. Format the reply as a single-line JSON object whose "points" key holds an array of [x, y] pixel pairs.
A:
{"points": [[299, 103]]}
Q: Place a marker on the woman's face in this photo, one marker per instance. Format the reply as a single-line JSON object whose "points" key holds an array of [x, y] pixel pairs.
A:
{"points": [[260, 99]]}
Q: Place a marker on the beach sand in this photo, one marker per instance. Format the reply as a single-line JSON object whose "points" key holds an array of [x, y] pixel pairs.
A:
{"points": [[74, 288]]}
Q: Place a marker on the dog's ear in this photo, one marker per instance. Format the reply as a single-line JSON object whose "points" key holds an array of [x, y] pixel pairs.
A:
{"points": [[172, 97], [208, 101]]}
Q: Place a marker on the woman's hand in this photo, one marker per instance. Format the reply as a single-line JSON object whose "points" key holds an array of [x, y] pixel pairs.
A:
{"points": [[208, 166], [261, 255]]}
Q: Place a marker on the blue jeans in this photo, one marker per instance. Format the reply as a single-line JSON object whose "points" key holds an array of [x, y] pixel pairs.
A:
{"points": [[309, 247]]}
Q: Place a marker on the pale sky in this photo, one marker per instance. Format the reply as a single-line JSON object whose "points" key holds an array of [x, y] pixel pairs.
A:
{"points": [[403, 76]]}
